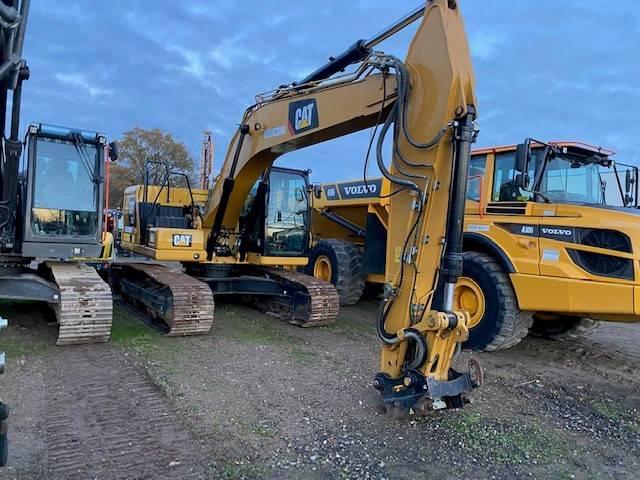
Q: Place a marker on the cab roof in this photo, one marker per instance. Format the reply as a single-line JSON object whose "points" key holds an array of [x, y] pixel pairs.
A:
{"points": [[574, 145]]}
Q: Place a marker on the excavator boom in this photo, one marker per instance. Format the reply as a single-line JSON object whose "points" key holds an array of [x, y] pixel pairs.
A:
{"points": [[428, 103]]}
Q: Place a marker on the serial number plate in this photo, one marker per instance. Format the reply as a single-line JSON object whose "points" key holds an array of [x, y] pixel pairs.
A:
{"points": [[180, 240]]}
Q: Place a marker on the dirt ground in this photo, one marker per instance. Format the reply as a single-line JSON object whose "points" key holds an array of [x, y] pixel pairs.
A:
{"points": [[258, 398]]}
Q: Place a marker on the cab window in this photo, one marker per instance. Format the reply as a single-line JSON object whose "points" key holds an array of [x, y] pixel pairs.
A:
{"points": [[504, 178], [287, 215], [477, 169]]}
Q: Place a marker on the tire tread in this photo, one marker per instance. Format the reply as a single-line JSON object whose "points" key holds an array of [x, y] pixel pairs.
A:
{"points": [[349, 281], [513, 325]]}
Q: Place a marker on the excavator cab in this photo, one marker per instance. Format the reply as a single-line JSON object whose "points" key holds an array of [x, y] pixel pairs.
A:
{"points": [[50, 224], [275, 217], [61, 194]]}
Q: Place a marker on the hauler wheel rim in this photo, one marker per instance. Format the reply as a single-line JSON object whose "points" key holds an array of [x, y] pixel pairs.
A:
{"points": [[469, 296], [322, 269]]}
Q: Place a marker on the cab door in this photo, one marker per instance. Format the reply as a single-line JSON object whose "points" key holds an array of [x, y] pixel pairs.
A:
{"points": [[513, 214], [287, 214]]}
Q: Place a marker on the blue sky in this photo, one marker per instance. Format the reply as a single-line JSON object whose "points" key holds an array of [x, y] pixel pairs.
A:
{"points": [[545, 68]]}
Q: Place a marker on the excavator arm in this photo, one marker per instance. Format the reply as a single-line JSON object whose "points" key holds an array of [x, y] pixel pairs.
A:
{"points": [[426, 106]]}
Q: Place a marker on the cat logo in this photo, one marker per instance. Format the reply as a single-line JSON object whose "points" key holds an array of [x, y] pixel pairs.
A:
{"points": [[181, 240], [303, 116]]}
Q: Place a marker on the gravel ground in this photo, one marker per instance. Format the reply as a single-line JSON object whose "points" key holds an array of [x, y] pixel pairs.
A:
{"points": [[258, 398]]}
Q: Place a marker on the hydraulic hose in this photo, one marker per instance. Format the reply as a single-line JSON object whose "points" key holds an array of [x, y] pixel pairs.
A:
{"points": [[380, 159], [421, 348], [403, 98], [388, 338], [418, 339]]}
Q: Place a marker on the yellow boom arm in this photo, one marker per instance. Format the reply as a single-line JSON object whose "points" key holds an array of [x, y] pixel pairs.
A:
{"points": [[428, 102]]}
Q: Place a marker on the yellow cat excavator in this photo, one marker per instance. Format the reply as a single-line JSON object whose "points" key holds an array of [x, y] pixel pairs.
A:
{"points": [[427, 105]]}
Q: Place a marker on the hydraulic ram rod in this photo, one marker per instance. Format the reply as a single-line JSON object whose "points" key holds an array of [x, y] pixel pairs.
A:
{"points": [[395, 28], [360, 50]]}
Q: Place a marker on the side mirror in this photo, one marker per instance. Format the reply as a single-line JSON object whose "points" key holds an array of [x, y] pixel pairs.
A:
{"points": [[522, 164], [522, 157], [628, 181], [113, 151], [314, 189]]}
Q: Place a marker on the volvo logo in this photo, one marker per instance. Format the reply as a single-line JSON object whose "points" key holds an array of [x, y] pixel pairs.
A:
{"points": [[360, 189], [556, 231]]}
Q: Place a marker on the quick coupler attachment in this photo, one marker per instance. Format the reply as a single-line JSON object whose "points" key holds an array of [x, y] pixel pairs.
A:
{"points": [[418, 394]]}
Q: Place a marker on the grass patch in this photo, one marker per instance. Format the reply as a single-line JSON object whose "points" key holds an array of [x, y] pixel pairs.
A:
{"points": [[609, 409], [634, 427], [302, 356], [250, 332], [506, 443], [23, 316], [16, 347], [234, 470], [155, 350], [130, 332], [127, 329], [351, 327], [264, 429]]}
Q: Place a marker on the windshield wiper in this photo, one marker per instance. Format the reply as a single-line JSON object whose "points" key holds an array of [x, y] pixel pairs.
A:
{"points": [[85, 158], [542, 195]]}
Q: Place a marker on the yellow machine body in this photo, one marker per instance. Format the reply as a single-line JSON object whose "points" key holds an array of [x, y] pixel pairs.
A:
{"points": [[550, 274], [180, 244], [163, 244]]}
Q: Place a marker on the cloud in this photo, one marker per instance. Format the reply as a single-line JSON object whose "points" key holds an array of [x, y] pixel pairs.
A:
{"points": [[79, 80], [545, 69], [194, 62], [486, 44]]}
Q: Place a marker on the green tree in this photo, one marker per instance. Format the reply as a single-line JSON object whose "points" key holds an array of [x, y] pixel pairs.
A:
{"points": [[138, 146]]}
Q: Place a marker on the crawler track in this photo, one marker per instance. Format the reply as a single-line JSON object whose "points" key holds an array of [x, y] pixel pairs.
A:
{"points": [[182, 302], [313, 302], [86, 308], [106, 420]]}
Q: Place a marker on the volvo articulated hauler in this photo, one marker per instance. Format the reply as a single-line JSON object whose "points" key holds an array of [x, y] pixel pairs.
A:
{"points": [[550, 243], [426, 103]]}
